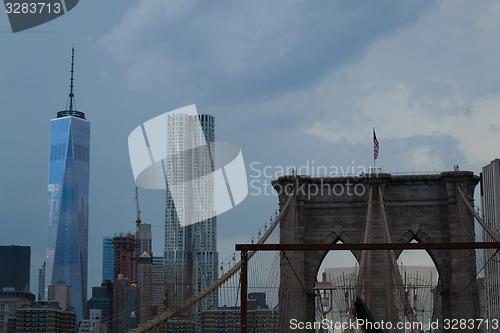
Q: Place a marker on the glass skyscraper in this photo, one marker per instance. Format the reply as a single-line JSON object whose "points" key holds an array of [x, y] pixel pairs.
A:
{"points": [[68, 201], [108, 259], [190, 258], [158, 284], [15, 265]]}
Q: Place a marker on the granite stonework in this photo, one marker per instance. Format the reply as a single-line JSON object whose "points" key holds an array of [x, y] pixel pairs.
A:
{"points": [[425, 208]]}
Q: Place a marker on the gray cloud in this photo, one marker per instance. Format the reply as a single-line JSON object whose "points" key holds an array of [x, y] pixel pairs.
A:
{"points": [[239, 51], [439, 77], [289, 81]]}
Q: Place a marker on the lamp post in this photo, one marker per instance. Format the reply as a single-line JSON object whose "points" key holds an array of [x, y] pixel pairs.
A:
{"points": [[324, 295]]}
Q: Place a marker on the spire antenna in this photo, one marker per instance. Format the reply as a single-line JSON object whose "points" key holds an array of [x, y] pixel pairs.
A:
{"points": [[70, 110], [71, 95]]}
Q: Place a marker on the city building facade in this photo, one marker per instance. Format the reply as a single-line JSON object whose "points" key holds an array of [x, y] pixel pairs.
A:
{"points": [[41, 283], [108, 257], [61, 293], [102, 300], [124, 256], [144, 238], [178, 325], [68, 202], [190, 257], [93, 324], [125, 305], [158, 284], [15, 264], [45, 316], [490, 199], [144, 264], [228, 319], [10, 300]]}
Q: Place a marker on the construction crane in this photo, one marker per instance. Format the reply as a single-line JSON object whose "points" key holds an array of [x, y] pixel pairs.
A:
{"points": [[137, 232], [138, 221]]}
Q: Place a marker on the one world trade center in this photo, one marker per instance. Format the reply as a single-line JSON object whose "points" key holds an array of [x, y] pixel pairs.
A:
{"points": [[68, 202]]}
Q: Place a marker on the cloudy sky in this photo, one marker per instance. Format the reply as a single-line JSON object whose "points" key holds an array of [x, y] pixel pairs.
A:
{"points": [[294, 83]]}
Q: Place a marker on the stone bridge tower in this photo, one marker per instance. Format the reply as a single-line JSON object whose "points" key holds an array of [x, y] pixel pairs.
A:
{"points": [[424, 207]]}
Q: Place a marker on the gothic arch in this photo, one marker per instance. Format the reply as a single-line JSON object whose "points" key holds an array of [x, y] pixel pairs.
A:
{"points": [[421, 207]]}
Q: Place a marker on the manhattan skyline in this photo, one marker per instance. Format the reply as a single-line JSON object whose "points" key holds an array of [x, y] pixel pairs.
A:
{"points": [[288, 82]]}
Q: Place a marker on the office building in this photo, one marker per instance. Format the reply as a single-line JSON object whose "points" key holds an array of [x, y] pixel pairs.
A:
{"points": [[41, 283], [125, 305], [61, 293], [144, 239], [93, 324], [15, 264], [190, 257], [102, 300], [265, 320], [158, 285], [145, 283], [68, 200], [490, 197], [10, 300], [45, 316], [178, 325], [124, 253], [108, 257], [228, 319]]}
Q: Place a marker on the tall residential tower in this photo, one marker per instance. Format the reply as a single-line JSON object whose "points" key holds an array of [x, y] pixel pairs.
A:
{"points": [[68, 201], [191, 258]]}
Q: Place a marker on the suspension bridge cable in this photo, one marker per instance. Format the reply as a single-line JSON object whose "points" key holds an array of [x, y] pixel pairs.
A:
{"points": [[471, 281], [164, 317], [298, 279]]}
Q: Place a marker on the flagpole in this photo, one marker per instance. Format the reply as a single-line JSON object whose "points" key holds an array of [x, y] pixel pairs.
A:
{"points": [[374, 159]]}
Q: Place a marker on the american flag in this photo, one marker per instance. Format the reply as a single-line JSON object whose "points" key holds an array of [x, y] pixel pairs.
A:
{"points": [[375, 145]]}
